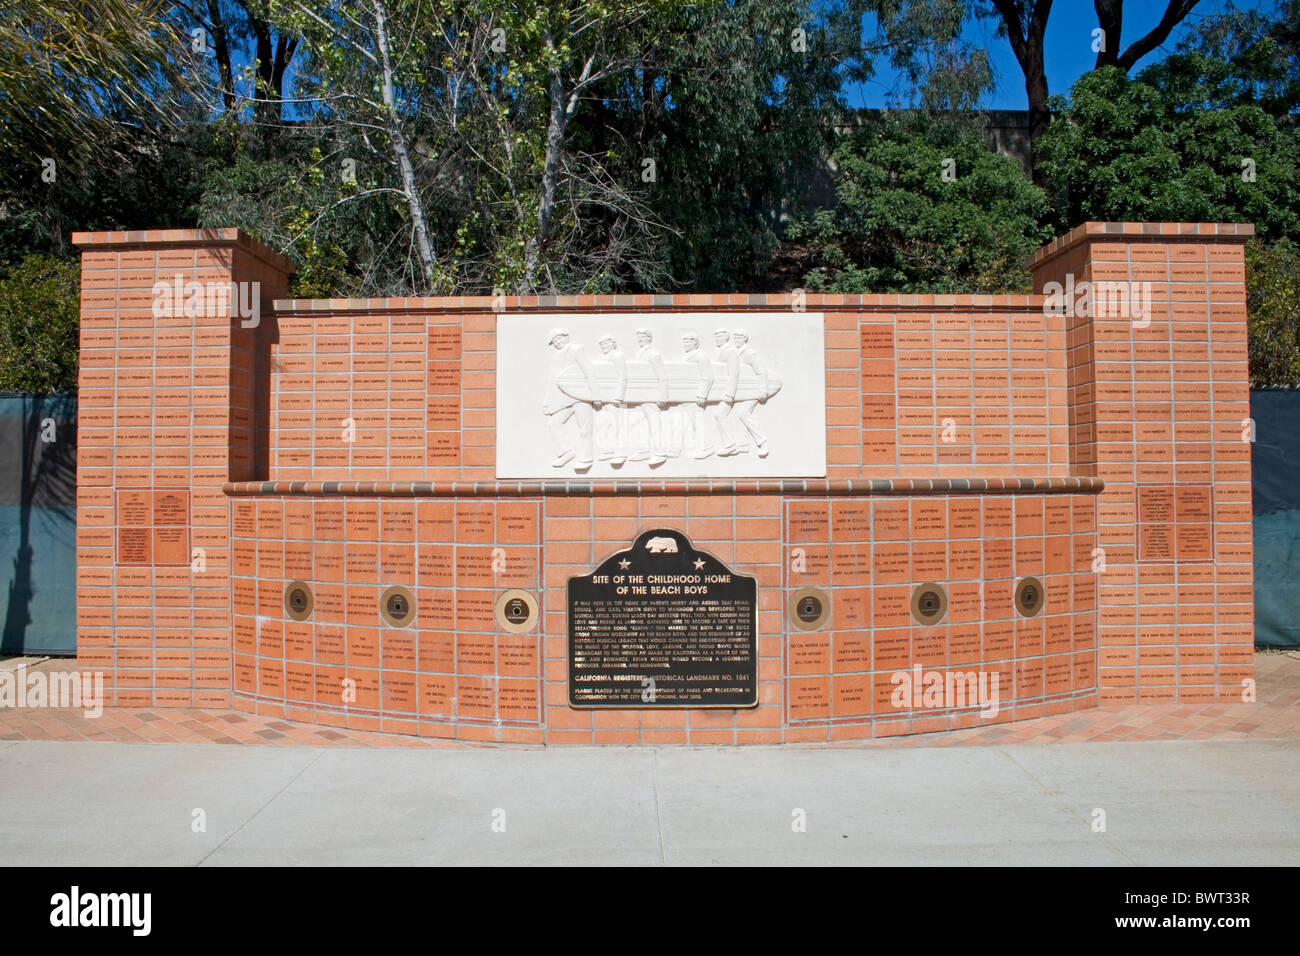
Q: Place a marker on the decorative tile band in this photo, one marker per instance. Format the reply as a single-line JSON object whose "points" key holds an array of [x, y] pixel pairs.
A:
{"points": [[719, 302], [838, 487]]}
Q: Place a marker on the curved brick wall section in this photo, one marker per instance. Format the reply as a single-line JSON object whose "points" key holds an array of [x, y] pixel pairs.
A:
{"points": [[417, 378], [453, 673]]}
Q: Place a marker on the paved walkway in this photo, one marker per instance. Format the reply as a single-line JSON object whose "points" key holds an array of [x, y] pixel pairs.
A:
{"points": [[1274, 716], [1175, 785], [1178, 803]]}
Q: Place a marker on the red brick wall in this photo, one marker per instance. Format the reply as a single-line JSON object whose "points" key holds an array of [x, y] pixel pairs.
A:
{"points": [[454, 673], [417, 377], [166, 416], [1157, 412]]}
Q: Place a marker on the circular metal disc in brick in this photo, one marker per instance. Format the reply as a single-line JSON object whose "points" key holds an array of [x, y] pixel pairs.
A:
{"points": [[298, 600], [1030, 596], [397, 606], [809, 608], [929, 603], [516, 611]]}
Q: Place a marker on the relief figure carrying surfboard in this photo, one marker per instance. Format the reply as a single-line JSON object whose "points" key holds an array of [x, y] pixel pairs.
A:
{"points": [[560, 408]]}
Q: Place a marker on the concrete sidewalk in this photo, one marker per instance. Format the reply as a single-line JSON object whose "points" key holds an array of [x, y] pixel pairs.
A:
{"points": [[1274, 715], [1165, 803]]}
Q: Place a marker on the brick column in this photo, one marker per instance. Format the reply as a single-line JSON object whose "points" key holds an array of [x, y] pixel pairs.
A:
{"points": [[172, 403], [1158, 392]]}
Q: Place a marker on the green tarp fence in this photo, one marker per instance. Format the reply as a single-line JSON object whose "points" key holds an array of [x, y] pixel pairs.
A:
{"points": [[38, 523], [1275, 493]]}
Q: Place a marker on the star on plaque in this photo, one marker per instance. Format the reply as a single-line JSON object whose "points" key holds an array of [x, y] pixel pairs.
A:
{"points": [[625, 564], [699, 564]]}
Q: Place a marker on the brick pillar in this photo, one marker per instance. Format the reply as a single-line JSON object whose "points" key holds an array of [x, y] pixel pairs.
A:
{"points": [[1158, 401], [172, 403]]}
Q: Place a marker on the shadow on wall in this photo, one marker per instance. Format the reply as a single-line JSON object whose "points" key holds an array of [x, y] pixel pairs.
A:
{"points": [[38, 523]]}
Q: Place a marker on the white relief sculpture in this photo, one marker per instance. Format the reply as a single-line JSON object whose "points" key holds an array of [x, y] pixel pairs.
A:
{"points": [[721, 412], [699, 423], [613, 434], [692, 399], [661, 546], [560, 407], [649, 410], [742, 402], [655, 401]]}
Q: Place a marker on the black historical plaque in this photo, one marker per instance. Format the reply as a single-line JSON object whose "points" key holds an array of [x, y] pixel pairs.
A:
{"points": [[663, 625]]}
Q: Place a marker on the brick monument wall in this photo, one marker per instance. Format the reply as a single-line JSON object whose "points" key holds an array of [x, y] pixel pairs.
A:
{"points": [[350, 445]]}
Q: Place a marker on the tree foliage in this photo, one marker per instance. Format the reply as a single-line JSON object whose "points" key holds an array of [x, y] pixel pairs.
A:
{"points": [[464, 117], [155, 183], [1024, 24], [735, 115], [1273, 305], [1124, 149], [1237, 57], [39, 321], [572, 146], [73, 74], [242, 30], [923, 206], [641, 146]]}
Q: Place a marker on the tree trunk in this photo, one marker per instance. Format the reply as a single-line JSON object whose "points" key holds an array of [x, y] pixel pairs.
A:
{"points": [[222, 44], [284, 50], [1175, 12], [1110, 17], [1026, 24], [265, 107], [394, 125], [271, 67], [1039, 115], [555, 128]]}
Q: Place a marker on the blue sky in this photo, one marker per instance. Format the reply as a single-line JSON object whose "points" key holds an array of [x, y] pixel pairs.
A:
{"points": [[1068, 49]]}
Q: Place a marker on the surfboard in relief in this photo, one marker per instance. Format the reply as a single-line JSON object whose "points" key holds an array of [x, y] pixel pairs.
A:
{"points": [[683, 381]]}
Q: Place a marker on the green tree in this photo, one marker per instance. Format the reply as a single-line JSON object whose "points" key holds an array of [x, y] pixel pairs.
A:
{"points": [[718, 114], [462, 114], [1127, 150], [285, 188], [100, 128], [735, 115], [155, 184], [923, 206], [580, 147], [1025, 24], [71, 73], [243, 27], [40, 314], [1273, 305], [1237, 57]]}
